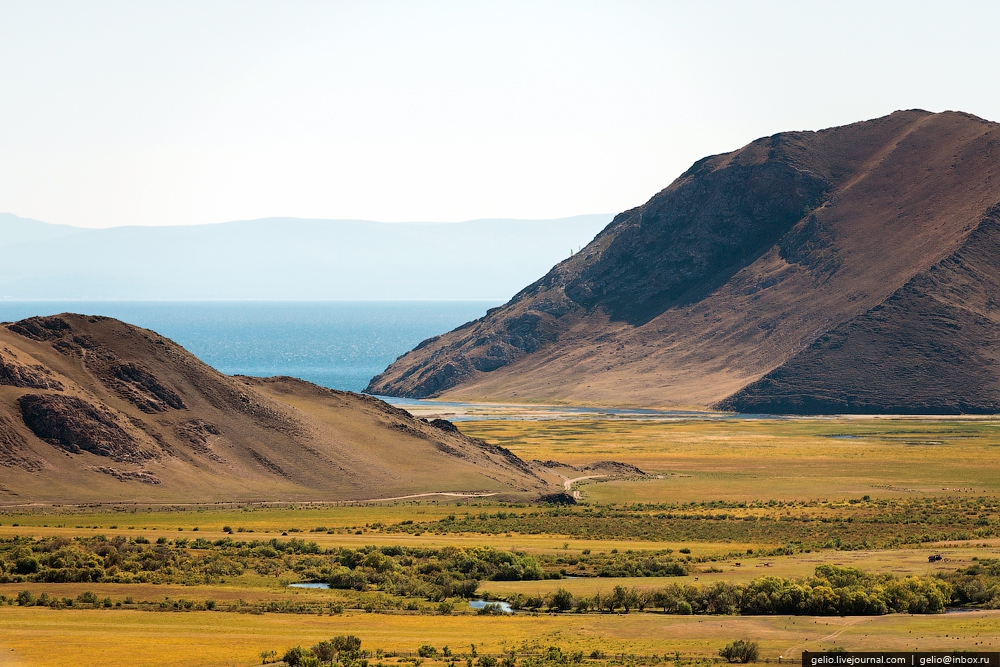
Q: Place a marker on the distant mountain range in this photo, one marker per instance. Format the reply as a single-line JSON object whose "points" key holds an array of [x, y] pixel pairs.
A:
{"points": [[285, 258], [854, 269]]}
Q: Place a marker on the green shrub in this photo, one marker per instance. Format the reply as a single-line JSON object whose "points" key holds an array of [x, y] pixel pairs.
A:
{"points": [[562, 600], [294, 656], [26, 565], [741, 650], [325, 651], [346, 643], [87, 597], [491, 609]]}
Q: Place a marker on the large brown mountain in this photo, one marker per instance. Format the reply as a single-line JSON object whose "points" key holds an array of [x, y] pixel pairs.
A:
{"points": [[95, 410], [854, 269]]}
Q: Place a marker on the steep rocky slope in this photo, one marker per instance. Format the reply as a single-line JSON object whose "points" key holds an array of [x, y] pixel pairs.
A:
{"points": [[92, 410], [850, 269]]}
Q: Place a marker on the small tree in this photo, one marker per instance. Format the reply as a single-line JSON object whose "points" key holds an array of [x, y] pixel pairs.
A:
{"points": [[562, 600], [324, 651], [26, 565], [87, 597], [267, 656], [293, 656], [619, 598], [741, 650], [427, 651], [466, 588], [490, 609], [346, 644]]}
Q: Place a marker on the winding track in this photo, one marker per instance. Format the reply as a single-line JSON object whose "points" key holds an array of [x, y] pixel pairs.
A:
{"points": [[422, 495], [568, 483]]}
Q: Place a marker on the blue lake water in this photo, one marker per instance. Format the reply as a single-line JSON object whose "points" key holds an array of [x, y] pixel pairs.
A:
{"points": [[336, 344]]}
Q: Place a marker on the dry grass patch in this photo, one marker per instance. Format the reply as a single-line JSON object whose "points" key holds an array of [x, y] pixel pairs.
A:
{"points": [[782, 459], [85, 638]]}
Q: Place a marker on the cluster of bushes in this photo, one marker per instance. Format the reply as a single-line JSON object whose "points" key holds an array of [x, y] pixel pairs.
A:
{"points": [[342, 649], [90, 600], [86, 599], [830, 591], [433, 573], [436, 574], [853, 524], [53, 560], [440, 575], [136, 560], [978, 584], [347, 652], [741, 650], [327, 653]]}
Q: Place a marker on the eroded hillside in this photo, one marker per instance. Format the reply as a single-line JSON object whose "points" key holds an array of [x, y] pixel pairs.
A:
{"points": [[724, 288], [96, 410]]}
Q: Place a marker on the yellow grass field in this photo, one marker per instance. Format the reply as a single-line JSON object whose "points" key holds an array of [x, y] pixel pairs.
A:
{"points": [[34, 636], [781, 459]]}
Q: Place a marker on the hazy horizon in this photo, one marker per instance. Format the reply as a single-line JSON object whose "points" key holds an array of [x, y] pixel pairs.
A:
{"points": [[13, 214], [146, 114], [285, 259]]}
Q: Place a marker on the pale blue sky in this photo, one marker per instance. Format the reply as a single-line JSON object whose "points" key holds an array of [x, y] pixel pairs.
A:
{"points": [[152, 113]]}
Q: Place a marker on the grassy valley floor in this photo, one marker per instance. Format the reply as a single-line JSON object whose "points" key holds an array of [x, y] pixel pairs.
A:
{"points": [[44, 637], [723, 501]]}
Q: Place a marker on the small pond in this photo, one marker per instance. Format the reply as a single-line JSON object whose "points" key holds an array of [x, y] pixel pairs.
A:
{"points": [[309, 585]]}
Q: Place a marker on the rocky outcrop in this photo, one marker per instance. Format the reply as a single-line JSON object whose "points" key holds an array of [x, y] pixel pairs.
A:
{"points": [[76, 425], [13, 448], [142, 476], [144, 390], [40, 328], [14, 373], [201, 435]]}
